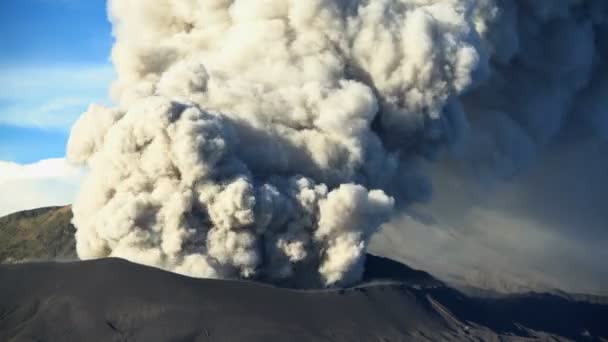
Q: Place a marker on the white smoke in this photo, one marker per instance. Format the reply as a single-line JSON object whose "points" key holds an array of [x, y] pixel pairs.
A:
{"points": [[269, 138]]}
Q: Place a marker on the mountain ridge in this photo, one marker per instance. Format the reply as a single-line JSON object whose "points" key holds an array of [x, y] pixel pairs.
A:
{"points": [[37, 234]]}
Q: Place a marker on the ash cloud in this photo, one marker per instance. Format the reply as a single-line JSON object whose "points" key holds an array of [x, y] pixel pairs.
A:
{"points": [[543, 230], [519, 200], [272, 139]]}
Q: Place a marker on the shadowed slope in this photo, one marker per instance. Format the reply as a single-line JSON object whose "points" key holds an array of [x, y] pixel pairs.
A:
{"points": [[114, 300]]}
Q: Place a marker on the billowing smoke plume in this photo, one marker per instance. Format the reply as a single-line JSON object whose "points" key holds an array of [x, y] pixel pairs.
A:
{"points": [[520, 200], [272, 138]]}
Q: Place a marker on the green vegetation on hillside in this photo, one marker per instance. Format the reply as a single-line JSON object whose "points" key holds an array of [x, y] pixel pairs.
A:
{"points": [[39, 234]]}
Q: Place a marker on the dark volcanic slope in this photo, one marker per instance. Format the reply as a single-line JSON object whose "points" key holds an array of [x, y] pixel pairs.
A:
{"points": [[114, 300]]}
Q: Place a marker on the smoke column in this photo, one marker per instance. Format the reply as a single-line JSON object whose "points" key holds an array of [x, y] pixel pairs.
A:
{"points": [[519, 200], [271, 139]]}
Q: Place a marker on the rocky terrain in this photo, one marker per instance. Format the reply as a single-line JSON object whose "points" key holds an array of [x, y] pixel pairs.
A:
{"points": [[39, 234]]}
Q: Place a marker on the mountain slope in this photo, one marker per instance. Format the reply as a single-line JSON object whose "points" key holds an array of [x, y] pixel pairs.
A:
{"points": [[114, 300], [39, 234]]}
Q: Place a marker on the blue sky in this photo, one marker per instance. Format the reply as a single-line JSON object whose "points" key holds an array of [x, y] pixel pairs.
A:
{"points": [[54, 61]]}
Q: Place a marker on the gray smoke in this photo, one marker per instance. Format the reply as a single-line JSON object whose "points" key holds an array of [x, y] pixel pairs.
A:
{"points": [[271, 139], [520, 200]]}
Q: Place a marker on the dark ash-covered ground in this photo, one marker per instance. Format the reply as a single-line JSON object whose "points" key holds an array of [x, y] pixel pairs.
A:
{"points": [[114, 300]]}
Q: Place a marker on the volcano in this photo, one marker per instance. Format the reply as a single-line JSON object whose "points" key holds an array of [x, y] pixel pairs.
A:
{"points": [[115, 300]]}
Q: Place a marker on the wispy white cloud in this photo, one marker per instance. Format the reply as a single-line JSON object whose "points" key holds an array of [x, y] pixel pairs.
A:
{"points": [[18, 78], [59, 113], [50, 97], [45, 183]]}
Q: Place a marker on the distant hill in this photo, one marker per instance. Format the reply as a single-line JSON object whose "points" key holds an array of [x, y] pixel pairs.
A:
{"points": [[39, 234]]}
